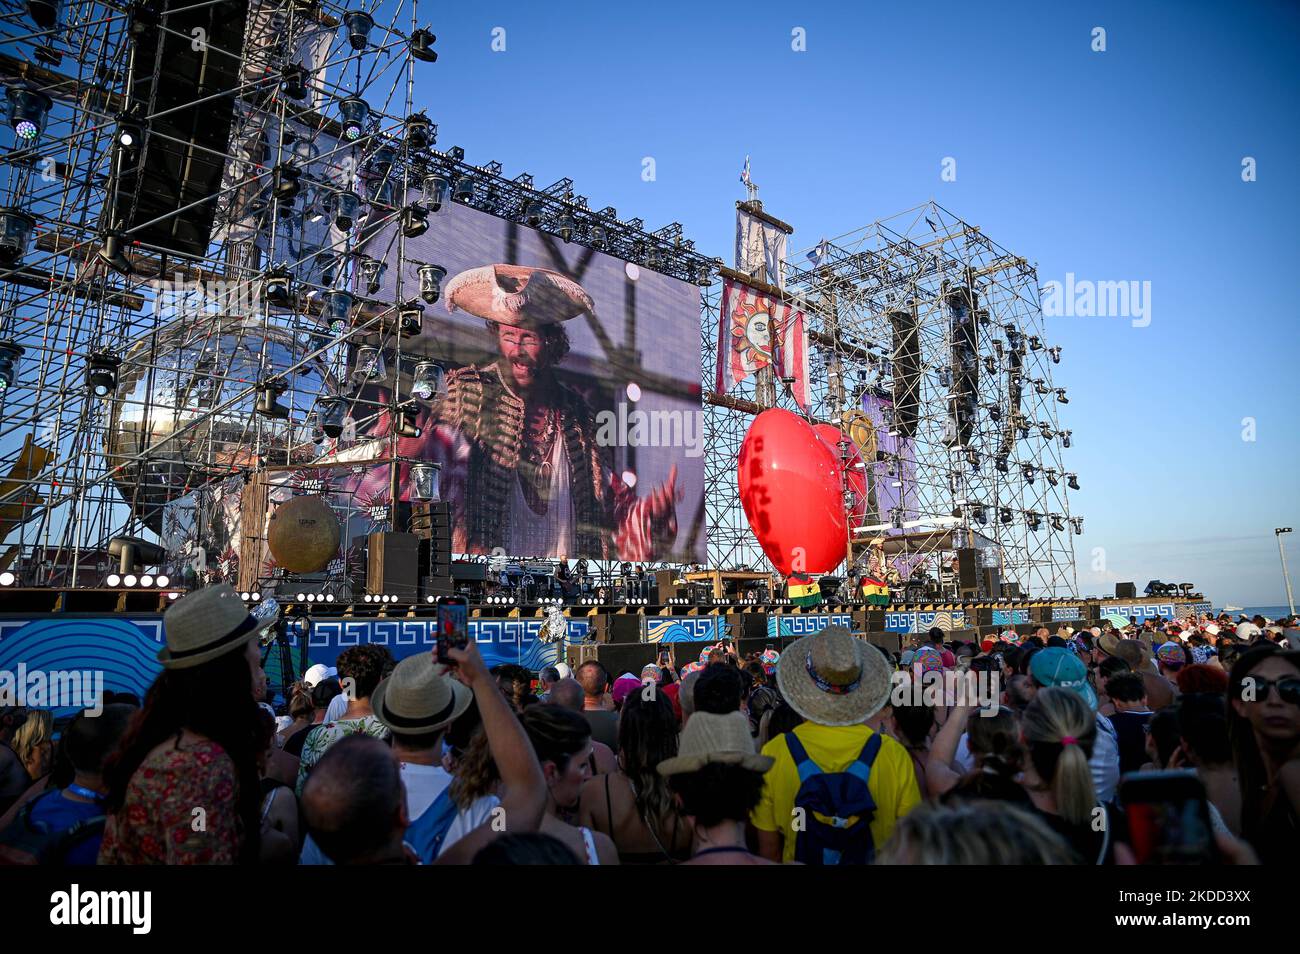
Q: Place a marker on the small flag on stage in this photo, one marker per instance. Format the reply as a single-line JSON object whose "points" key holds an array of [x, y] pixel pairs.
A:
{"points": [[803, 590], [875, 592]]}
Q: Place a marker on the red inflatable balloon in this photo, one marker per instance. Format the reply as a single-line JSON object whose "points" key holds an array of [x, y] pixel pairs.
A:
{"points": [[855, 475], [791, 489]]}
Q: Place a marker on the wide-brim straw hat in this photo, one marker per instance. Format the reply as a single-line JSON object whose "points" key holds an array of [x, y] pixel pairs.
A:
{"points": [[205, 624], [1135, 652], [518, 295], [833, 678], [717, 739], [418, 698]]}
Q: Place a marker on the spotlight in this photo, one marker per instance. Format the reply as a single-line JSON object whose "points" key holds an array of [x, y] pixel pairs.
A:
{"points": [[1060, 396], [345, 206], [990, 364], [410, 319], [1055, 352], [381, 162], [359, 24], [10, 353], [536, 212], [277, 286], [293, 81], [113, 579], [429, 381], [424, 482], [371, 269], [431, 277], [1077, 524], [705, 277], [421, 45], [414, 220], [284, 182], [329, 597], [1001, 465], [1057, 523], [129, 580], [1004, 516], [330, 412], [1033, 520], [44, 13], [28, 110], [162, 580], [1053, 477], [436, 190], [980, 516], [565, 227], [146, 580], [1046, 430], [597, 238], [356, 113], [369, 366], [652, 257], [302, 597], [1072, 481], [1041, 386], [15, 230], [101, 372], [1028, 471], [407, 415], [268, 399], [420, 133], [336, 309], [1065, 437], [995, 413], [113, 254], [464, 191]]}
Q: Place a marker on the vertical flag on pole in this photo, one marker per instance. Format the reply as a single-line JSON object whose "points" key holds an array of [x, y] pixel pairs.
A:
{"points": [[757, 330]]}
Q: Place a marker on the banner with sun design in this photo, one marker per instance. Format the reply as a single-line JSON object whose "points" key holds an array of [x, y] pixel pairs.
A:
{"points": [[757, 330]]}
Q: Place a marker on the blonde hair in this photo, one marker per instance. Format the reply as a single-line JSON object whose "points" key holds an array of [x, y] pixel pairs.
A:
{"points": [[32, 734], [973, 832], [1060, 731]]}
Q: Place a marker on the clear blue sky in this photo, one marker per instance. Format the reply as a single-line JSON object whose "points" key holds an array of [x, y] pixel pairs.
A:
{"points": [[1122, 165]]}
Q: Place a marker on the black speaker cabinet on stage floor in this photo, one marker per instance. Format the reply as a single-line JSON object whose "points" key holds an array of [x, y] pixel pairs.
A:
{"points": [[1041, 615], [393, 564], [618, 658], [1125, 591], [752, 626], [624, 628], [967, 572]]}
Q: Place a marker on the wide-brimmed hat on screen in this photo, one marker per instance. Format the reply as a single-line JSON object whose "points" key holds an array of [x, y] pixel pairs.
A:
{"points": [[205, 624], [712, 738], [833, 678], [518, 295], [419, 698]]}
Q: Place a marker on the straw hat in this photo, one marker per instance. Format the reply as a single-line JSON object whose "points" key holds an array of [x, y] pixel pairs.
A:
{"points": [[1136, 652], [722, 739], [205, 624], [518, 295], [831, 678], [418, 698]]}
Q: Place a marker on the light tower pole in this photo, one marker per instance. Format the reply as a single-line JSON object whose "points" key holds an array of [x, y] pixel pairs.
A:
{"points": [[1286, 576]]}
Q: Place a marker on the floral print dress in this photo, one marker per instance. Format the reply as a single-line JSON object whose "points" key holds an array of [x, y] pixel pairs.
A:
{"points": [[180, 809]]}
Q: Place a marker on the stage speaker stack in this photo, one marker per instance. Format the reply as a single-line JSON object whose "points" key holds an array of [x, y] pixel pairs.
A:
{"points": [[984, 616], [752, 626], [967, 573], [167, 199], [992, 578], [1041, 615], [392, 565], [906, 362], [579, 654], [1125, 591], [432, 524], [618, 658], [624, 628], [665, 588], [1011, 591]]}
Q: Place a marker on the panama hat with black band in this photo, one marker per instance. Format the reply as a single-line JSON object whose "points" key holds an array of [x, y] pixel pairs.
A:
{"points": [[419, 698], [208, 623], [833, 678]]}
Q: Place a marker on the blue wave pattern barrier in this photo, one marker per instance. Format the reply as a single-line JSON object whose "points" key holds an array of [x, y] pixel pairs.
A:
{"points": [[805, 624], [122, 650], [920, 622], [687, 629]]}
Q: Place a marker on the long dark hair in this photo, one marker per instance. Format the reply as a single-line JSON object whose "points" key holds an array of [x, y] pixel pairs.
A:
{"points": [[215, 700], [1252, 776], [647, 735]]}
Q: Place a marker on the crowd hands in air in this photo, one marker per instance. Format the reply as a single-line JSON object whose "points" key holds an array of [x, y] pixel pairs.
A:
{"points": [[810, 755]]}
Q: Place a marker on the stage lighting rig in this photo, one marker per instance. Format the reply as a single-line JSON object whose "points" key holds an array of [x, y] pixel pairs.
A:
{"points": [[410, 319], [356, 113], [330, 414], [431, 277], [1077, 524], [428, 381], [113, 253], [1065, 437], [436, 190], [268, 399], [293, 81], [15, 232], [358, 24], [1060, 396], [44, 13], [371, 271], [10, 354], [28, 111], [566, 227], [1072, 481], [414, 220], [424, 482], [336, 310], [421, 44], [277, 286], [464, 190], [101, 373], [535, 214], [345, 205], [1055, 352], [420, 132], [407, 414]]}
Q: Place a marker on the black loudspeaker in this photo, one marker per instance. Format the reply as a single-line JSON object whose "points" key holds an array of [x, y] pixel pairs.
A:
{"points": [[965, 362], [906, 361], [579, 654], [890, 641], [664, 587], [967, 572], [1091, 611], [393, 564], [1125, 591], [624, 628], [1011, 591], [618, 658], [598, 627], [992, 582], [172, 188], [1041, 614], [984, 616], [752, 626]]}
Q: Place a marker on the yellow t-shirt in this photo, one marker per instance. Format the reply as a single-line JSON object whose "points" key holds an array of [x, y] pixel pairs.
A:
{"points": [[834, 748]]}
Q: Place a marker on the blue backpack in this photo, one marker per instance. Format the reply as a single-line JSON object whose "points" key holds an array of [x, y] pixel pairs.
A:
{"points": [[837, 808], [426, 834]]}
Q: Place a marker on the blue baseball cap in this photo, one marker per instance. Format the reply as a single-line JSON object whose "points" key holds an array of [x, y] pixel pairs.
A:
{"points": [[1056, 666]]}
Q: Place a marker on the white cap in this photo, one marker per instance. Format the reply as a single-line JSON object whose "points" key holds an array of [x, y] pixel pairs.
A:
{"points": [[1247, 630], [1212, 629], [318, 673], [564, 670]]}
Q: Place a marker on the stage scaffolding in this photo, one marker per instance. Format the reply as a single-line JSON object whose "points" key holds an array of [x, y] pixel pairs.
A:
{"points": [[79, 470], [985, 475]]}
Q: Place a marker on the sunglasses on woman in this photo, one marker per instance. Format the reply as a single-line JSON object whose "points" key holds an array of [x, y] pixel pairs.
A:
{"points": [[1288, 689]]}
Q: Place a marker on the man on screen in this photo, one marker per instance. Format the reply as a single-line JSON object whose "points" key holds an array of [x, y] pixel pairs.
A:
{"points": [[520, 446]]}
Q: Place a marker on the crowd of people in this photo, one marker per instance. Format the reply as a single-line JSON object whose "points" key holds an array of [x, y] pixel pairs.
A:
{"points": [[808, 754]]}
